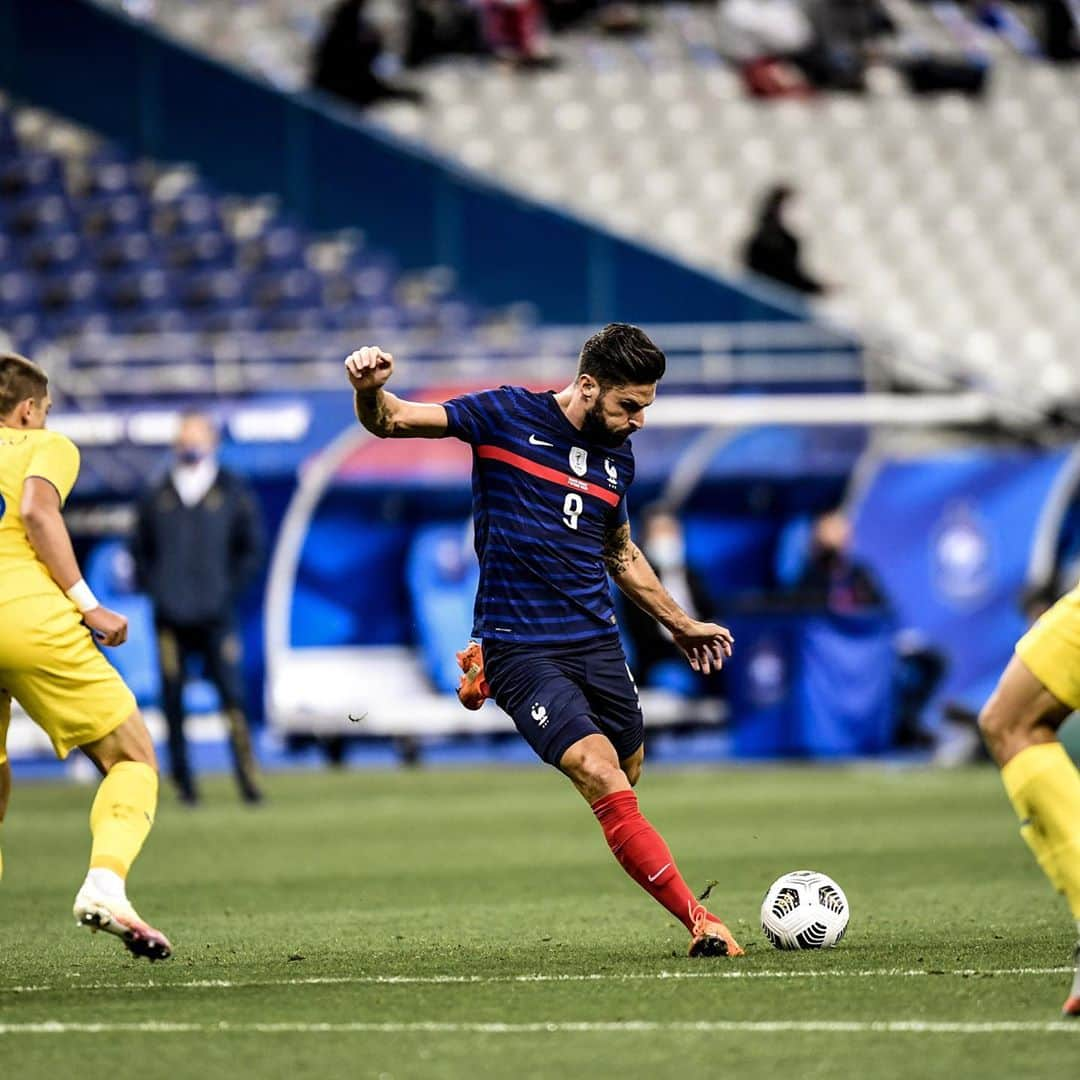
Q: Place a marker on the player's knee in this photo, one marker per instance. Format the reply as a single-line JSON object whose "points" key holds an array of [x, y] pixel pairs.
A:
{"points": [[593, 772], [129, 742]]}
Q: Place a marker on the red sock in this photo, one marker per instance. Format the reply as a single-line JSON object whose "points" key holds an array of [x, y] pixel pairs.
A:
{"points": [[642, 853]]}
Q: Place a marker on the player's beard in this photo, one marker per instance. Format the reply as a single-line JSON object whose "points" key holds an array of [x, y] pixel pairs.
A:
{"points": [[596, 429]]}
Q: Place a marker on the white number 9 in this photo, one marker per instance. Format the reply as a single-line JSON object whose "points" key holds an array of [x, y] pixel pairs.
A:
{"points": [[572, 506]]}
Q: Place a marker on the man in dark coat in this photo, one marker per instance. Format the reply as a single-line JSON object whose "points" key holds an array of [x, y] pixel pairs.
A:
{"points": [[197, 543]]}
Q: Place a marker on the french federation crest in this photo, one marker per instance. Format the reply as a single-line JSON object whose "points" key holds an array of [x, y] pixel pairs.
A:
{"points": [[579, 461], [612, 472]]}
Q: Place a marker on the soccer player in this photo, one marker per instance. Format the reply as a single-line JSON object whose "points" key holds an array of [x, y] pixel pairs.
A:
{"points": [[1038, 690], [550, 475], [50, 664]]}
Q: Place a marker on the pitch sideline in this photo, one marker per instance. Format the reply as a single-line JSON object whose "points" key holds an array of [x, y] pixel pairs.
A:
{"points": [[853, 1027], [480, 980]]}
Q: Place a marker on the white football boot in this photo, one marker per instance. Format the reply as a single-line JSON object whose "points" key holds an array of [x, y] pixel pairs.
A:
{"points": [[102, 905]]}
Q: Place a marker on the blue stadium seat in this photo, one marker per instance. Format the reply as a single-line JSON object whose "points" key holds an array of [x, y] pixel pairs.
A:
{"points": [[193, 212], [111, 173], [60, 251], [214, 289], [293, 288], [104, 215], [18, 294], [208, 250], [229, 320], [139, 290], [30, 174], [36, 215], [280, 247], [126, 251], [69, 299]]}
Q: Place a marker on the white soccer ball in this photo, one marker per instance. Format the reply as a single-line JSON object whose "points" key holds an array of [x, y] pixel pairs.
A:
{"points": [[804, 910]]}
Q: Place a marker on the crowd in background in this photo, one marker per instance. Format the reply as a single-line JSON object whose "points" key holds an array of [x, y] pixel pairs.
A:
{"points": [[782, 48]]}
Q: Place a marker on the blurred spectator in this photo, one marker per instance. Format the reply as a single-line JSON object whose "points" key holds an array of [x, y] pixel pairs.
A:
{"points": [[773, 249], [765, 38], [657, 661], [838, 582], [1061, 29], [844, 31], [437, 28], [611, 16], [197, 543], [345, 58], [832, 578], [516, 32]]}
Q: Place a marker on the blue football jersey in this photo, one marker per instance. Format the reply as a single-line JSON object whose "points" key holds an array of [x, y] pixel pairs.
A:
{"points": [[544, 496]]}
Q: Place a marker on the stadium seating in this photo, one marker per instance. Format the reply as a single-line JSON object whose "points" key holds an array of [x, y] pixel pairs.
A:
{"points": [[95, 243], [948, 222]]}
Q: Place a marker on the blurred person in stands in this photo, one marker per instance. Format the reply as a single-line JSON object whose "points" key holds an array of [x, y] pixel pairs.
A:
{"points": [[836, 580], [610, 16], [833, 578], [657, 659], [765, 38], [437, 28], [346, 56], [773, 249], [197, 544], [844, 32], [1061, 29], [517, 33]]}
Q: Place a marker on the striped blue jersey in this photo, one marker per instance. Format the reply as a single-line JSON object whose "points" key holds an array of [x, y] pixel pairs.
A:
{"points": [[544, 496]]}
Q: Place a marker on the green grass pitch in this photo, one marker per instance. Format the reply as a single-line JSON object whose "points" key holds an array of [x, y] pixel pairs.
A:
{"points": [[473, 923]]}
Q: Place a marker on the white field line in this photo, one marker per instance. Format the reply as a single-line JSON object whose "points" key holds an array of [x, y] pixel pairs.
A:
{"points": [[480, 980], [857, 1027]]}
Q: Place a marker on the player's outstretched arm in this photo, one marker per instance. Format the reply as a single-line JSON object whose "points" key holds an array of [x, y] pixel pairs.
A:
{"points": [[48, 536], [382, 413], [704, 644]]}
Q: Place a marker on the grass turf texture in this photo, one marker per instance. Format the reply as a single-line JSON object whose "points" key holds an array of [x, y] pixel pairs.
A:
{"points": [[499, 874]]}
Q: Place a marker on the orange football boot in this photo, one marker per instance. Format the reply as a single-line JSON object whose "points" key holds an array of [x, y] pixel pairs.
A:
{"points": [[710, 937], [473, 689]]}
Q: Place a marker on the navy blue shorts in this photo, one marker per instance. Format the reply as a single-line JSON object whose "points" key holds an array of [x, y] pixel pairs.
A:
{"points": [[558, 694]]}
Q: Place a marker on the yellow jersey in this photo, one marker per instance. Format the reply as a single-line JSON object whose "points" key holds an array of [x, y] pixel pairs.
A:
{"points": [[25, 453]]}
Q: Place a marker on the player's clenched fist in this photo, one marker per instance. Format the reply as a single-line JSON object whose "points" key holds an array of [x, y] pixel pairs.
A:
{"points": [[109, 627], [368, 368]]}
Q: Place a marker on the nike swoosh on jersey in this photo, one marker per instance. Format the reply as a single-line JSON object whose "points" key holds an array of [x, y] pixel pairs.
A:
{"points": [[539, 442]]}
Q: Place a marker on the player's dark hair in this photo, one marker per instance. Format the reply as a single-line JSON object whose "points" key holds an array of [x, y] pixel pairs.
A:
{"points": [[622, 355], [20, 379]]}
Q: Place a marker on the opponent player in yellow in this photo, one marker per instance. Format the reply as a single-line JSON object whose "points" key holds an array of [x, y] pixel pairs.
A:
{"points": [[50, 664], [1039, 689]]}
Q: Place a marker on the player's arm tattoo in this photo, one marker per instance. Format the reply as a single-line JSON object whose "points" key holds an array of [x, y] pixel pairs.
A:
{"points": [[373, 411], [620, 552]]}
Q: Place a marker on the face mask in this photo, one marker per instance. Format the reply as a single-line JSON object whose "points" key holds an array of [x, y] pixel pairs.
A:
{"points": [[667, 552], [190, 455]]}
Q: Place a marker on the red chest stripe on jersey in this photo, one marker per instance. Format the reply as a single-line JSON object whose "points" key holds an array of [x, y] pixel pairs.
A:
{"points": [[496, 453]]}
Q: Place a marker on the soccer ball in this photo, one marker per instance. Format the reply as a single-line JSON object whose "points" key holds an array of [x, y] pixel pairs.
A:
{"points": [[804, 910]]}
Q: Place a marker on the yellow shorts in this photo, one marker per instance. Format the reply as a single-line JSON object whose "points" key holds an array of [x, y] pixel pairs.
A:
{"points": [[51, 666], [1050, 650]]}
